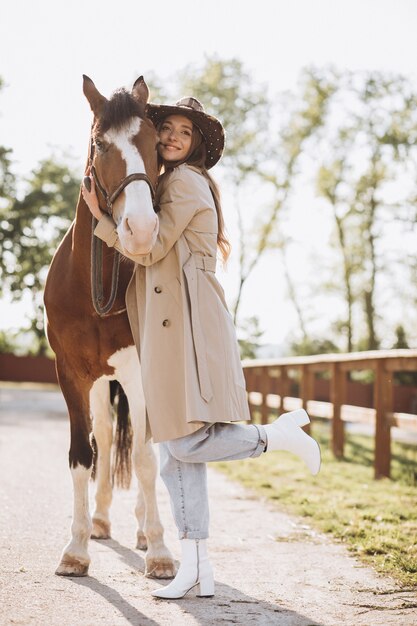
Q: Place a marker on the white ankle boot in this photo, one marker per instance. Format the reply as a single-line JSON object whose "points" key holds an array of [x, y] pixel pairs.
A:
{"points": [[286, 434], [194, 571]]}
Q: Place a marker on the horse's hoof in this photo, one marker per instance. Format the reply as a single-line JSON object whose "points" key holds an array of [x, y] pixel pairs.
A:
{"points": [[141, 543], [71, 567], [160, 568], [101, 529]]}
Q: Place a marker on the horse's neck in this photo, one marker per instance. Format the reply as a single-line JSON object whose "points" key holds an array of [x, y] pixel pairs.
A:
{"points": [[82, 233], [82, 229], [77, 244]]}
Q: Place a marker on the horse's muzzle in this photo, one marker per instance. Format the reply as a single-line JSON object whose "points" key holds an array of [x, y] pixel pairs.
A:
{"points": [[138, 240]]}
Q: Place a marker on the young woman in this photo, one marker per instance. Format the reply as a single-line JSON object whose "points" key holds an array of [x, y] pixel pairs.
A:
{"points": [[192, 376]]}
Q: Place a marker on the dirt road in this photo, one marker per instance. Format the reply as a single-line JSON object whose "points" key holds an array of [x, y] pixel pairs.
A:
{"points": [[270, 569]]}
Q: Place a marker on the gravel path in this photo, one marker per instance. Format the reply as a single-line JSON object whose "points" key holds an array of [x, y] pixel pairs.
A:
{"points": [[269, 568]]}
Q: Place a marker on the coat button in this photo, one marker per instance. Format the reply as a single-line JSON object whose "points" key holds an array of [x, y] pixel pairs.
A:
{"points": [[158, 289], [165, 323]]}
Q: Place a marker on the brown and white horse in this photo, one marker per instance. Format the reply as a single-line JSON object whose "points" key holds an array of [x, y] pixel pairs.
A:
{"points": [[92, 347]]}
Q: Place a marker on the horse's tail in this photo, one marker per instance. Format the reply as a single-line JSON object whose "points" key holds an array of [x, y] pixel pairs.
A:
{"points": [[93, 443], [122, 455]]}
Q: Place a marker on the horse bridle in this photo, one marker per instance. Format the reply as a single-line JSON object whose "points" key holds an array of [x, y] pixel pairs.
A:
{"points": [[111, 198], [97, 294]]}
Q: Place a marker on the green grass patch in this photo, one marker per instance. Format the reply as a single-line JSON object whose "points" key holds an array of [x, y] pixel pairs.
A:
{"points": [[376, 519]]}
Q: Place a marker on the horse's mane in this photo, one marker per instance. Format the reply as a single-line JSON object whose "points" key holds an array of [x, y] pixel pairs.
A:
{"points": [[121, 107]]}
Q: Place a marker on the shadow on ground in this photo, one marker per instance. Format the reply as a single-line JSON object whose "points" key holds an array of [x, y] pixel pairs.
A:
{"points": [[228, 606]]}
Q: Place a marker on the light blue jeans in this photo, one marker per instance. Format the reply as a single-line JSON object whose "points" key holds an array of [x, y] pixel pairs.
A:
{"points": [[184, 472]]}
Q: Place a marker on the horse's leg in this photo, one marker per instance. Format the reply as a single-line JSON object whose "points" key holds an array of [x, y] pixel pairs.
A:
{"points": [[141, 543], [159, 560], [103, 434], [75, 558]]}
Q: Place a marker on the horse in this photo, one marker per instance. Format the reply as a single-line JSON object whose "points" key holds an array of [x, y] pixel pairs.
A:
{"points": [[92, 341]]}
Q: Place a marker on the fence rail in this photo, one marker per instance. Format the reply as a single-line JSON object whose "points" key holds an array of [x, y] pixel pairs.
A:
{"points": [[279, 385], [27, 369]]}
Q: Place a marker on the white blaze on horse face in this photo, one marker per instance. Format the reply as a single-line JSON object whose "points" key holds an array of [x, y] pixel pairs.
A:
{"points": [[137, 221]]}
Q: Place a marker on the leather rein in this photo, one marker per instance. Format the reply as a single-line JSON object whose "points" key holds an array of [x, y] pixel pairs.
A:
{"points": [[102, 307]]}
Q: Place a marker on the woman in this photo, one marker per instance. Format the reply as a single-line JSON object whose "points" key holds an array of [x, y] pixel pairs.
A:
{"points": [[192, 376]]}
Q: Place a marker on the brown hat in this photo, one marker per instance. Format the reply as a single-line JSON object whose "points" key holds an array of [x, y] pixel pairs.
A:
{"points": [[210, 127]]}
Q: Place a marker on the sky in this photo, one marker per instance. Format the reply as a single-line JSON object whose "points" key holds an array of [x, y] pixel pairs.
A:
{"points": [[46, 46]]}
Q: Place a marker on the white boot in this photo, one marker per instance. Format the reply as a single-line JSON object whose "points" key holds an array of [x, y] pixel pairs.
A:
{"points": [[194, 571], [286, 434]]}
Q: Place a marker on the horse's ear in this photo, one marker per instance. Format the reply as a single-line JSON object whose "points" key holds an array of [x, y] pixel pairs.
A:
{"points": [[93, 96], [140, 90]]}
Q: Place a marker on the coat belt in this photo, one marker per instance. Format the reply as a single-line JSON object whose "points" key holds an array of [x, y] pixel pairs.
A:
{"points": [[206, 263]]}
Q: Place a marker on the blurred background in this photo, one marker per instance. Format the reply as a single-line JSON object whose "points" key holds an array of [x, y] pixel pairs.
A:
{"points": [[318, 180]]}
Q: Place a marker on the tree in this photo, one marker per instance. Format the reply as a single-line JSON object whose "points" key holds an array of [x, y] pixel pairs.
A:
{"points": [[306, 114], [401, 338], [249, 345], [32, 227], [258, 154], [369, 149], [230, 93], [7, 179]]}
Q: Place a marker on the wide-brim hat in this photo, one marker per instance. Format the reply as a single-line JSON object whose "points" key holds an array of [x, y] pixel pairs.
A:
{"points": [[210, 127]]}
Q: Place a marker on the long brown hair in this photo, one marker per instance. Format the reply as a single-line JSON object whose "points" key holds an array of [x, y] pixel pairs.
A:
{"points": [[197, 158]]}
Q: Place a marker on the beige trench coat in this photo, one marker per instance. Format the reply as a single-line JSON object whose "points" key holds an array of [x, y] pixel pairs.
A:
{"points": [[191, 369]]}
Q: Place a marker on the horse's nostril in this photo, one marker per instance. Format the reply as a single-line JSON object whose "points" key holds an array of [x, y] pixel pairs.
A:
{"points": [[127, 226]]}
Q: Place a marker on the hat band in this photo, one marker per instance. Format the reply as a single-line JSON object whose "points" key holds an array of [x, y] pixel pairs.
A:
{"points": [[189, 107]]}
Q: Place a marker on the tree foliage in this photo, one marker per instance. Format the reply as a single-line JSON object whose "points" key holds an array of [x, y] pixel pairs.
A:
{"points": [[353, 133], [31, 229], [357, 132], [231, 94], [370, 143], [251, 336], [7, 179], [257, 153]]}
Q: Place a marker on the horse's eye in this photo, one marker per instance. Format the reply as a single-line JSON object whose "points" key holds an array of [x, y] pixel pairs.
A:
{"points": [[100, 145]]}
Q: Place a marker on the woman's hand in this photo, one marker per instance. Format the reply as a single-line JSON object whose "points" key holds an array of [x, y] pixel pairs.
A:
{"points": [[91, 199]]}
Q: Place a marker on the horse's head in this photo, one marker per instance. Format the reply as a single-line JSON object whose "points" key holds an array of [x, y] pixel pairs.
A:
{"points": [[124, 162]]}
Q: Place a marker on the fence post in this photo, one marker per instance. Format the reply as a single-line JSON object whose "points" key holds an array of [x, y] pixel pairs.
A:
{"points": [[249, 381], [382, 404], [248, 374], [337, 396], [265, 390], [306, 388], [284, 383]]}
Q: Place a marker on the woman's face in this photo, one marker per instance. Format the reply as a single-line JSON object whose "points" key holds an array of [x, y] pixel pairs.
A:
{"points": [[175, 136]]}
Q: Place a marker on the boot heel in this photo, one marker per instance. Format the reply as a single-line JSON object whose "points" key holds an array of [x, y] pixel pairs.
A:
{"points": [[300, 417], [205, 587]]}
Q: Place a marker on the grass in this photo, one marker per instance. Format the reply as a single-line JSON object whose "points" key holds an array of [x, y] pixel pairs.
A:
{"points": [[376, 519]]}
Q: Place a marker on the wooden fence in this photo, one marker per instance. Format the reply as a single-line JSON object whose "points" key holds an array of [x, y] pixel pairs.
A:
{"points": [[321, 384], [279, 385], [28, 369]]}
